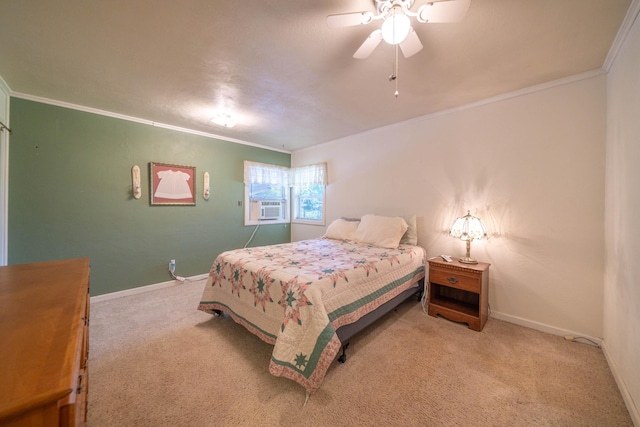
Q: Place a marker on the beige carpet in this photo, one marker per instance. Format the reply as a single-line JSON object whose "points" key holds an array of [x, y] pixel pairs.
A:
{"points": [[155, 360]]}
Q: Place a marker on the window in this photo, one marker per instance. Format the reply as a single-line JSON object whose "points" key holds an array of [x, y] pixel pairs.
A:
{"points": [[308, 204], [308, 188], [267, 193]]}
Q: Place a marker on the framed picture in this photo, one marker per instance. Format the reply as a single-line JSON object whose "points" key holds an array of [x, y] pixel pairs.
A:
{"points": [[172, 185]]}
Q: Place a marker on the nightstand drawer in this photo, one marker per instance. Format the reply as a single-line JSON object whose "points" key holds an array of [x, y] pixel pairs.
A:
{"points": [[455, 279]]}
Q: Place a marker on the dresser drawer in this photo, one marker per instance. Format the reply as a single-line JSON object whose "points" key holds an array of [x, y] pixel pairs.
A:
{"points": [[455, 279]]}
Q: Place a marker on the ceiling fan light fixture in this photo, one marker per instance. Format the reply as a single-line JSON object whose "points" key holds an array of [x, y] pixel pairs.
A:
{"points": [[443, 11], [366, 18], [423, 13], [396, 28]]}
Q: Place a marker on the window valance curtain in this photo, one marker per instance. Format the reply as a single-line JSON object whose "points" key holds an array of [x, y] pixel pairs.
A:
{"points": [[262, 173], [308, 175]]}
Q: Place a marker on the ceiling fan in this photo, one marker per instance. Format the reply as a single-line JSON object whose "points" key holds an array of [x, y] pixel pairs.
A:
{"points": [[396, 26]]}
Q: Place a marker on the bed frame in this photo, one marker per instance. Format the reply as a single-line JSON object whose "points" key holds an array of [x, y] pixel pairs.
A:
{"points": [[347, 331]]}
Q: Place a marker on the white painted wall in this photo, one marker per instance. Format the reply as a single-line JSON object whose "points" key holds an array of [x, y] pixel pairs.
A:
{"points": [[622, 213], [530, 165]]}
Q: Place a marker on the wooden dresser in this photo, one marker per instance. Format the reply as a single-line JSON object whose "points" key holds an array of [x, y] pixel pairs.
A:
{"points": [[44, 343]]}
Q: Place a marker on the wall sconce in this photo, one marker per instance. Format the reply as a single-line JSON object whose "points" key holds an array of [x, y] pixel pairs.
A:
{"points": [[205, 186], [468, 228], [135, 182]]}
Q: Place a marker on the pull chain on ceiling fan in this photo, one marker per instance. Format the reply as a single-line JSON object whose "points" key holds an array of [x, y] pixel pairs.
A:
{"points": [[394, 76]]}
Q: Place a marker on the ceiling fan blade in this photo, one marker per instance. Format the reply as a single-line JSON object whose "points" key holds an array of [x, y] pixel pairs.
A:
{"points": [[443, 11], [369, 45], [349, 19], [411, 45]]}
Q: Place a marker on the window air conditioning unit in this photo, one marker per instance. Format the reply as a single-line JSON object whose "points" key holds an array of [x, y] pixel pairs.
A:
{"points": [[270, 209]]}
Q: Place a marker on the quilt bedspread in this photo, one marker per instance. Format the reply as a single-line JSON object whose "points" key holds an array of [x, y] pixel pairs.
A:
{"points": [[296, 295]]}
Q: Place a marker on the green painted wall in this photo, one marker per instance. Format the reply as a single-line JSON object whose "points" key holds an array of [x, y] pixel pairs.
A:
{"points": [[70, 196]]}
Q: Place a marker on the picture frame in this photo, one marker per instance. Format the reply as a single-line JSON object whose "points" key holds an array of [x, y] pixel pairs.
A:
{"points": [[171, 184]]}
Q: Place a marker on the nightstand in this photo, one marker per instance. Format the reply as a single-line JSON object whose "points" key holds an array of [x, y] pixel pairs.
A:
{"points": [[459, 292]]}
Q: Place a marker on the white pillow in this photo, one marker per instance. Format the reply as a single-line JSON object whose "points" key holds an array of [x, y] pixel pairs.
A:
{"points": [[411, 235], [383, 231], [341, 229]]}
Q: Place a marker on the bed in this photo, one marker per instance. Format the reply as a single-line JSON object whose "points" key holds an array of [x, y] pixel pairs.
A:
{"points": [[308, 298]]}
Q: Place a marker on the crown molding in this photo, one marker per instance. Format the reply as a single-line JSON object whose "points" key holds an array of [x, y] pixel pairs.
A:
{"points": [[4, 86], [623, 32], [138, 120], [498, 98]]}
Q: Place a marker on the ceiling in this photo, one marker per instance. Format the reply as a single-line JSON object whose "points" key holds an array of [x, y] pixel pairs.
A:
{"points": [[289, 79]]}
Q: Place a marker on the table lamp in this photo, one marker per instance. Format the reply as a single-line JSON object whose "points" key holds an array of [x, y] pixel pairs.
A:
{"points": [[468, 228]]}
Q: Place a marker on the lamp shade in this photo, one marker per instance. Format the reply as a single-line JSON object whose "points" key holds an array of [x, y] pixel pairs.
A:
{"points": [[396, 28], [468, 227]]}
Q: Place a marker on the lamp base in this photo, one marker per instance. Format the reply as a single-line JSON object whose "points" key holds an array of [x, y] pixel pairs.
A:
{"points": [[467, 260]]}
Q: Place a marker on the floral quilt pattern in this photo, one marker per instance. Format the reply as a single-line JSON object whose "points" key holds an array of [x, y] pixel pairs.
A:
{"points": [[295, 295]]}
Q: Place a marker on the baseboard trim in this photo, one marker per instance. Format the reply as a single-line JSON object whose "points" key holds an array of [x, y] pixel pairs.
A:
{"points": [[634, 412], [543, 327], [144, 289]]}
